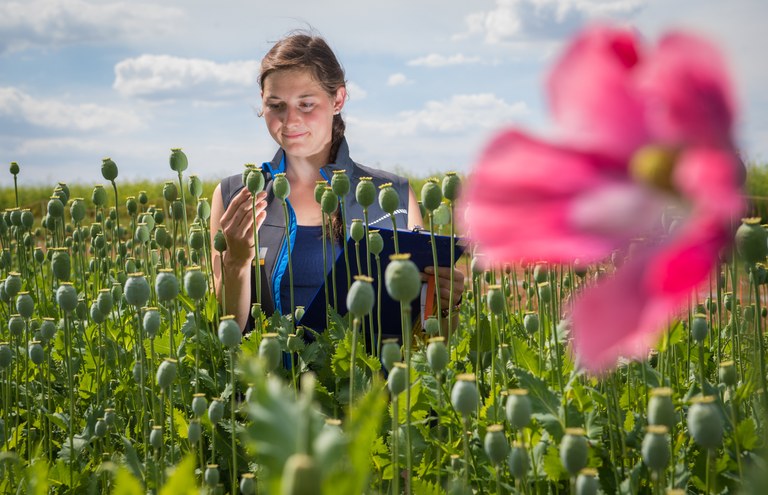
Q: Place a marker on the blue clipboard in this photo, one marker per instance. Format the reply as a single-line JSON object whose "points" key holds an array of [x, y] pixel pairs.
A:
{"points": [[417, 243]]}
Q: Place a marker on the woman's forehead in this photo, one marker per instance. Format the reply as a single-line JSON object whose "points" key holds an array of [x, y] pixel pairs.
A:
{"points": [[292, 82]]}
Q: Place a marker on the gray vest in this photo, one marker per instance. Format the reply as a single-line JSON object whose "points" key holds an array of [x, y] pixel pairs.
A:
{"points": [[272, 234]]}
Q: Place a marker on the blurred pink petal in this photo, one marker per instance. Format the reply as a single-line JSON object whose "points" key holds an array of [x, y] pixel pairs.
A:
{"points": [[593, 95], [531, 200]]}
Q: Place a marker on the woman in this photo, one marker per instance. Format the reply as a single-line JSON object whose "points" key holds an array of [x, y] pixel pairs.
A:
{"points": [[303, 92]]}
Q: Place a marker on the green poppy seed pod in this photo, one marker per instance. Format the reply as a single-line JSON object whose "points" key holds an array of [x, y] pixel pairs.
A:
{"points": [[329, 201], [441, 215], [219, 241], [495, 299], [66, 297], [389, 200], [437, 354], [255, 181], [55, 207], [166, 285], [496, 444], [100, 428], [518, 461], [451, 186], [531, 322], [141, 235], [16, 325], [432, 326], [96, 315], [156, 437], [422, 211], [151, 322], [340, 183], [108, 169], [6, 355], [81, 311], [199, 404], [300, 476], [375, 242], [699, 327], [61, 264], [177, 210], [195, 186], [14, 168], [545, 292], [749, 313], [518, 408], [131, 205], [15, 217], [196, 239], [166, 373], [299, 314], [137, 290], [194, 431], [661, 409], [587, 483], [390, 353], [247, 170], [365, 192], [99, 195], [143, 198], [77, 210], [751, 240], [247, 484], [705, 424], [320, 186], [269, 352], [195, 283], [105, 301], [397, 381], [294, 343], [28, 219], [203, 209], [281, 187], [574, 450], [431, 195], [256, 311], [402, 278], [728, 374], [47, 329], [109, 416], [211, 475], [148, 219], [540, 273], [170, 191], [464, 395], [655, 448], [361, 297], [161, 235], [230, 334], [13, 284], [357, 230], [216, 410], [39, 255], [159, 216], [178, 160], [25, 305]]}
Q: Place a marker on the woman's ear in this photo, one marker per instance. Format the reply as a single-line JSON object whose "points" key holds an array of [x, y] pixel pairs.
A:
{"points": [[339, 100]]}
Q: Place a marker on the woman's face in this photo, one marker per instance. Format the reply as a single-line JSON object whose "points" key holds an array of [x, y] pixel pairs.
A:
{"points": [[299, 113]]}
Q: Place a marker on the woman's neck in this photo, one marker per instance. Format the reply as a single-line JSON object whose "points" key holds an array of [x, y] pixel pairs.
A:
{"points": [[304, 170]]}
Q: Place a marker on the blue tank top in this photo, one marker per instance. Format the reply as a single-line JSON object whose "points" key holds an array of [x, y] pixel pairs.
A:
{"points": [[308, 272]]}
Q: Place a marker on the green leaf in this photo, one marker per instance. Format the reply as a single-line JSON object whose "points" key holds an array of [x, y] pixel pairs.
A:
{"points": [[182, 481], [126, 484], [746, 434], [552, 465]]}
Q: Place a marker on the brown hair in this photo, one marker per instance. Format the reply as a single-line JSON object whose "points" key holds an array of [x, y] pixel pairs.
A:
{"points": [[302, 50]]}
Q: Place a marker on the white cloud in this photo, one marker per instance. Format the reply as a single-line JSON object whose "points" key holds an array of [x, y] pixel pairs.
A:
{"points": [[168, 77], [59, 22], [355, 92], [53, 114], [518, 19], [437, 60], [460, 113], [397, 79]]}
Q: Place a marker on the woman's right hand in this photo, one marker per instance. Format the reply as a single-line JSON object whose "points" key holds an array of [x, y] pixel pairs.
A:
{"points": [[237, 225]]}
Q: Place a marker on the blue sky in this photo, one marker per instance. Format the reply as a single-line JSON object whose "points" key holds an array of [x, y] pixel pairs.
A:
{"points": [[429, 80]]}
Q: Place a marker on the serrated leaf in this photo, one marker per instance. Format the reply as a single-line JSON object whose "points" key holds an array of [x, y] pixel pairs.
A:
{"points": [[552, 466], [746, 434], [182, 481]]}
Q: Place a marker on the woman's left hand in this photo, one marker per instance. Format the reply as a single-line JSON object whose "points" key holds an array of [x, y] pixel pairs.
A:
{"points": [[444, 282]]}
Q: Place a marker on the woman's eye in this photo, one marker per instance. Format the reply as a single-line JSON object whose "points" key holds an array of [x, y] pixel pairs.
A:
{"points": [[274, 106], [307, 106]]}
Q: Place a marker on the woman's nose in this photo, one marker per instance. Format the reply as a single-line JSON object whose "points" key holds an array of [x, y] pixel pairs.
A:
{"points": [[292, 115]]}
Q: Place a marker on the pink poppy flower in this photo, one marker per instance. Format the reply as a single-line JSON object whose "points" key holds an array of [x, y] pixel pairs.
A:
{"points": [[645, 131]]}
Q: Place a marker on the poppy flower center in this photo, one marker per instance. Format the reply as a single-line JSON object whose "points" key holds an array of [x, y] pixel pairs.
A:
{"points": [[653, 165]]}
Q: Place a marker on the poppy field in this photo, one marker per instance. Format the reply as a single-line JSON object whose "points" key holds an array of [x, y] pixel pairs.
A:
{"points": [[120, 374]]}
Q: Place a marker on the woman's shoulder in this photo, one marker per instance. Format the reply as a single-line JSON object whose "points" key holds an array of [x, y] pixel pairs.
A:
{"points": [[379, 176]]}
